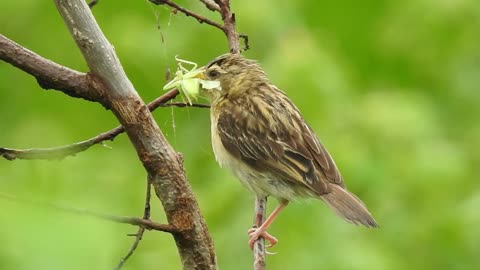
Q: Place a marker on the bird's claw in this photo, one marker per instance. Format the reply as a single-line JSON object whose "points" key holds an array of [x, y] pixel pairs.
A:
{"points": [[255, 233]]}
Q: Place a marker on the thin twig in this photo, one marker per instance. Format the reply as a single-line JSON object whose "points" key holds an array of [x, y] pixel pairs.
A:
{"points": [[148, 195], [211, 5], [59, 152], [147, 224], [182, 104], [228, 19], [259, 245], [141, 230], [245, 42], [187, 12], [73, 149], [93, 3]]}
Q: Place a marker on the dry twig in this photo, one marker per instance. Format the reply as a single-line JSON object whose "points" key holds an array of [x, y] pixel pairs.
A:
{"points": [[228, 19], [141, 230], [145, 223], [93, 3], [200, 18], [210, 4], [183, 104], [245, 42], [259, 246]]}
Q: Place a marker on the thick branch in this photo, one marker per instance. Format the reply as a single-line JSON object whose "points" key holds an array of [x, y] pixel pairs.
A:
{"points": [[163, 165], [49, 74]]}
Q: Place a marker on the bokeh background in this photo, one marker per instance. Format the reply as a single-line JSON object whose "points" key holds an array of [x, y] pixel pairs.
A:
{"points": [[391, 87]]}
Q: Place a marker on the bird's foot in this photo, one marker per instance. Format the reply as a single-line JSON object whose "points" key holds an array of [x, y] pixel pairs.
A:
{"points": [[255, 233]]}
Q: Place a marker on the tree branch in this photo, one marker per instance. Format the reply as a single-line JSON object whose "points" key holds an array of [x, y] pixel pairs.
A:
{"points": [[211, 5], [145, 223], [162, 163], [49, 74], [182, 104], [228, 19], [187, 12], [141, 230], [108, 84], [259, 246], [58, 152], [73, 149]]}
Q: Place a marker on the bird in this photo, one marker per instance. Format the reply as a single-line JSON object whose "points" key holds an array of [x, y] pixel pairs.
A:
{"points": [[260, 135]]}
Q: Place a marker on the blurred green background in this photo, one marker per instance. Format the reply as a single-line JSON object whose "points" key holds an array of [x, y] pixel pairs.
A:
{"points": [[391, 87]]}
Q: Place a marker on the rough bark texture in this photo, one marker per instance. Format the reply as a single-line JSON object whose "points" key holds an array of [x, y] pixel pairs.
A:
{"points": [[48, 73], [163, 165]]}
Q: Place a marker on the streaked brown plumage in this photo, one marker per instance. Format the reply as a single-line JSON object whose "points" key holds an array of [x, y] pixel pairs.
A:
{"points": [[260, 135]]}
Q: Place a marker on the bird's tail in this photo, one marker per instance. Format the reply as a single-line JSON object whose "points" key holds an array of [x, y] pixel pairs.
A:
{"points": [[349, 207]]}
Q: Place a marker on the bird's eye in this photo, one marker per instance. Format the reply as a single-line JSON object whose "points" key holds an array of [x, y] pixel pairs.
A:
{"points": [[213, 74]]}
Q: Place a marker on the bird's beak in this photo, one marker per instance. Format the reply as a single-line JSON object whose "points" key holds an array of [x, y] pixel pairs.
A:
{"points": [[200, 74]]}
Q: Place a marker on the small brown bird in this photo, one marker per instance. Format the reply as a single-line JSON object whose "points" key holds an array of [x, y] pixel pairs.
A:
{"points": [[259, 134]]}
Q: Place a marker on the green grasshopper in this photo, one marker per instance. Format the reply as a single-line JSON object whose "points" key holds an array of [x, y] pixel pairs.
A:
{"points": [[188, 81]]}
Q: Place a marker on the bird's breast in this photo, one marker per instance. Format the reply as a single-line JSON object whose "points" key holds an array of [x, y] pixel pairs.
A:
{"points": [[259, 183], [246, 175], [221, 154]]}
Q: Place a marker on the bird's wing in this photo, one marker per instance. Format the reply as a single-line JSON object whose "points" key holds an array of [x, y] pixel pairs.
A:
{"points": [[278, 142]]}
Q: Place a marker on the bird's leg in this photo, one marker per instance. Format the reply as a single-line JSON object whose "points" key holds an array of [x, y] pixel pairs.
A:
{"points": [[255, 233]]}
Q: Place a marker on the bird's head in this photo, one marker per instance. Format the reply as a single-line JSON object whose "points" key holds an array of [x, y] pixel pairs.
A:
{"points": [[235, 73]]}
